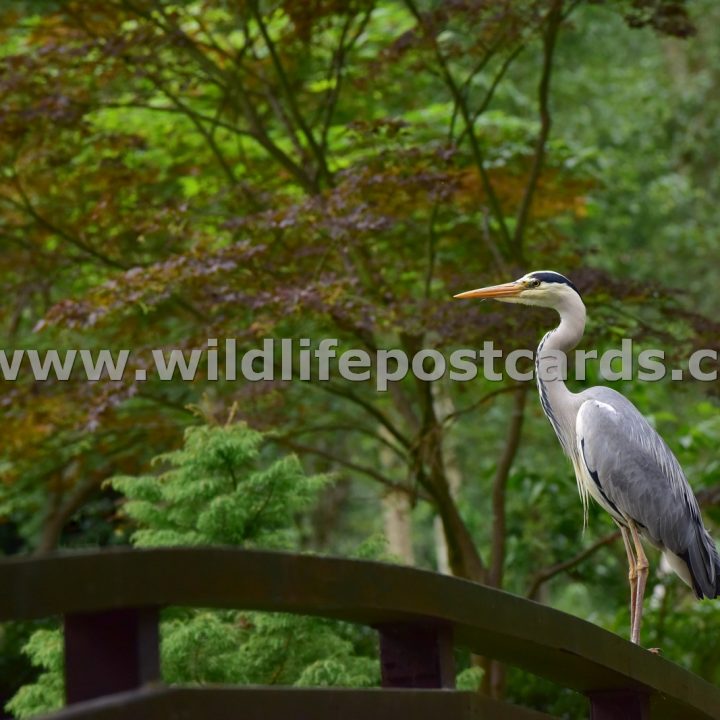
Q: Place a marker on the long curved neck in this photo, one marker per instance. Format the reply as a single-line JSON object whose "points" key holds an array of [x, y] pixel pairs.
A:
{"points": [[560, 405]]}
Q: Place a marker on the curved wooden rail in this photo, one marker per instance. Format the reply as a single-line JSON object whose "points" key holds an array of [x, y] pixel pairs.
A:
{"points": [[548, 643], [259, 703]]}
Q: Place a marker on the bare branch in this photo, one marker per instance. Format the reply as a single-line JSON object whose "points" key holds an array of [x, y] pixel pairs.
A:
{"points": [[367, 406], [317, 151], [545, 574], [549, 40], [336, 72], [477, 152], [234, 92], [335, 427], [474, 406], [431, 248], [499, 486], [344, 462], [27, 206], [186, 110], [199, 126], [496, 81]]}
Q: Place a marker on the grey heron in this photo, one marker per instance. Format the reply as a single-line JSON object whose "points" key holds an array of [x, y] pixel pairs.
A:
{"points": [[619, 459]]}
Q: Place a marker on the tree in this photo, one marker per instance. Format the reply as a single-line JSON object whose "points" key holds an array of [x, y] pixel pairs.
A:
{"points": [[219, 489], [192, 170]]}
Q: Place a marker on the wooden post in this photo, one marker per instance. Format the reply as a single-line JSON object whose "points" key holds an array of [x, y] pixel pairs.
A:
{"points": [[110, 651], [416, 656], [622, 704]]}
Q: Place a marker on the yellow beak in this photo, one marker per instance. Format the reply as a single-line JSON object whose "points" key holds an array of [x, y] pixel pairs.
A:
{"points": [[494, 291]]}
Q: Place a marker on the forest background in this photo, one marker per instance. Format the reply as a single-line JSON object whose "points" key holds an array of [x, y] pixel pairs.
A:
{"points": [[172, 172]]}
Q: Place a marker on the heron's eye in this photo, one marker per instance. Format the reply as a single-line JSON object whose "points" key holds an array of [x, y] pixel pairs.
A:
{"points": [[533, 283]]}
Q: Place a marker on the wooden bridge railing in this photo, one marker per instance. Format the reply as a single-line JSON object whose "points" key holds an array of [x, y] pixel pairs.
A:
{"points": [[110, 601]]}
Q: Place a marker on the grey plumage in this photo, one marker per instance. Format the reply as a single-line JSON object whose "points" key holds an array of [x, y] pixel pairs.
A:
{"points": [[643, 481], [619, 459]]}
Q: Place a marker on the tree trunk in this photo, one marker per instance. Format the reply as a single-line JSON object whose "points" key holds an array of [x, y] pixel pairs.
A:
{"points": [[463, 556], [398, 525], [444, 408], [59, 513]]}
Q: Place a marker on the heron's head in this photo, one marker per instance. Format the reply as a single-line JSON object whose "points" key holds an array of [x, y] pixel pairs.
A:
{"points": [[543, 288]]}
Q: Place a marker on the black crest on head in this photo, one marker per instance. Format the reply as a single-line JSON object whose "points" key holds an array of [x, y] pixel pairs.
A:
{"points": [[553, 277]]}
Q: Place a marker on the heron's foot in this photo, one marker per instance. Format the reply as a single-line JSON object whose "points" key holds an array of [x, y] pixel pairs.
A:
{"points": [[655, 651]]}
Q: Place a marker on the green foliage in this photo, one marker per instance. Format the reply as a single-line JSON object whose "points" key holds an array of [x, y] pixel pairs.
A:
{"points": [[264, 649], [214, 492], [219, 489], [469, 679], [179, 171], [45, 650]]}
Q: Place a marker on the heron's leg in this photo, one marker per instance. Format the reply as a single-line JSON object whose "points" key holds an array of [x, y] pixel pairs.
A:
{"points": [[632, 572], [642, 573]]}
